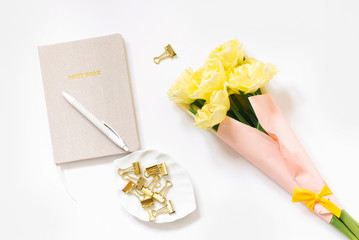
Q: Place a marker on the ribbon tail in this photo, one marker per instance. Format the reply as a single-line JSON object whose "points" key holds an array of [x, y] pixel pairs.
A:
{"points": [[331, 207]]}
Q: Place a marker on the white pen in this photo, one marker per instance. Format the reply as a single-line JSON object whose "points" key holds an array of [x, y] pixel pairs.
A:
{"points": [[101, 125]]}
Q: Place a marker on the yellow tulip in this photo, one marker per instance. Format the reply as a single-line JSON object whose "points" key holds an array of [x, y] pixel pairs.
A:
{"points": [[231, 54], [214, 111], [212, 77], [183, 87], [251, 76]]}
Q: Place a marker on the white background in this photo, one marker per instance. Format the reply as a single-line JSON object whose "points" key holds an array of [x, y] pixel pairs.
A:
{"points": [[314, 44]]}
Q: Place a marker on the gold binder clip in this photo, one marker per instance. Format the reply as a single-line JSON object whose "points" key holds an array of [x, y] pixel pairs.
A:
{"points": [[155, 183], [130, 188], [161, 195], [140, 183], [168, 53], [148, 190], [135, 168], [157, 169], [167, 208], [146, 203]]}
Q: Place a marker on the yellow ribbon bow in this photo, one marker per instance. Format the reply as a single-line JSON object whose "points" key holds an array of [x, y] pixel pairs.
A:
{"points": [[310, 198]]}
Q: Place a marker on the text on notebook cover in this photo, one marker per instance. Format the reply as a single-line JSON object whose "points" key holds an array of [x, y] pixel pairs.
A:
{"points": [[84, 75]]}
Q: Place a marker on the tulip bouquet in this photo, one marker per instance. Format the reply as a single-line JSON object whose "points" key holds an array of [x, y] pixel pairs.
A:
{"points": [[227, 95]]}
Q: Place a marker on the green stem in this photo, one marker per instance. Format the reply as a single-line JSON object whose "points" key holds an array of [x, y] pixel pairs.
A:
{"points": [[244, 112], [258, 125], [192, 111], [260, 128], [198, 103], [342, 227], [201, 101], [238, 115], [258, 92], [350, 223], [245, 96], [231, 114], [191, 107]]}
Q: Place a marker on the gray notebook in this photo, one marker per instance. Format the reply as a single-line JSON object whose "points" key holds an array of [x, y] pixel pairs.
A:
{"points": [[94, 71]]}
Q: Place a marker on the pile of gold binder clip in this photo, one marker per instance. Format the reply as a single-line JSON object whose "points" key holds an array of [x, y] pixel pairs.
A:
{"points": [[147, 193]]}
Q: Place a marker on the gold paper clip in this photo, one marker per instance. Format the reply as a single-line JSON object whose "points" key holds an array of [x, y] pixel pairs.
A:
{"points": [[160, 196], [135, 168], [168, 53], [167, 208], [157, 169]]}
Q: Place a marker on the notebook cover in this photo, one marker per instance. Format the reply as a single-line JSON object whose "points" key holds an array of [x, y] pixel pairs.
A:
{"points": [[93, 71]]}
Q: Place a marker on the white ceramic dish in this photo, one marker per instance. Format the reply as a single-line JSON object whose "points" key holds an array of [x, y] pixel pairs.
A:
{"points": [[181, 194]]}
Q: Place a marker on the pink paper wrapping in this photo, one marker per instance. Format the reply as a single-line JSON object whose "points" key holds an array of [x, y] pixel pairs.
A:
{"points": [[280, 155]]}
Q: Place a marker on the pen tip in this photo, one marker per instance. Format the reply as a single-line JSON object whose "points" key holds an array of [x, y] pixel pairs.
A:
{"points": [[67, 97], [125, 148]]}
